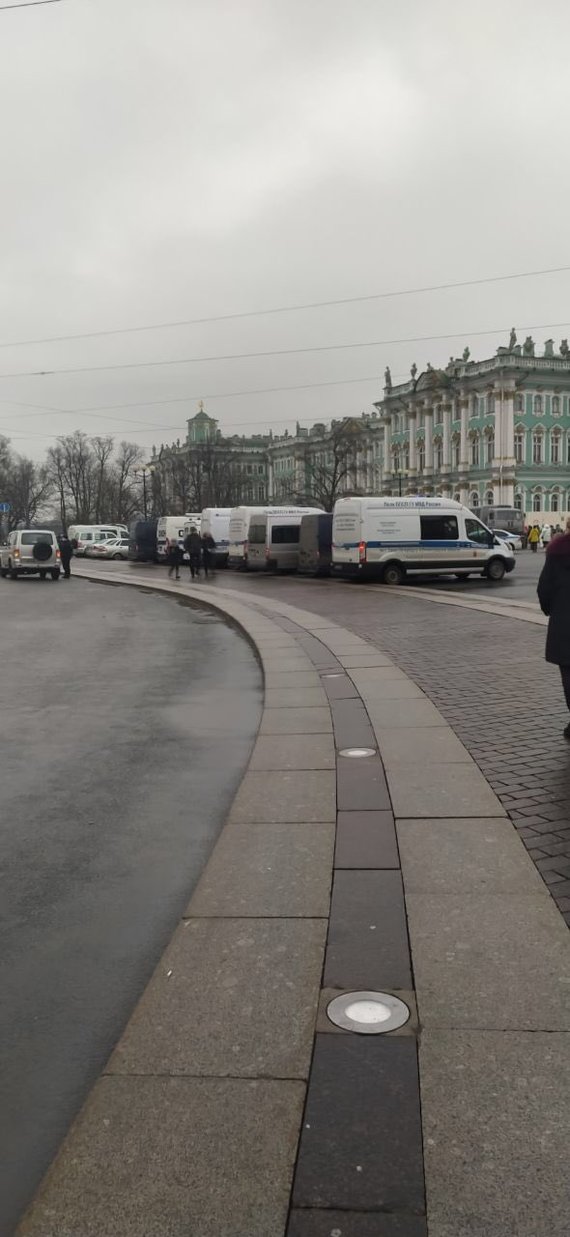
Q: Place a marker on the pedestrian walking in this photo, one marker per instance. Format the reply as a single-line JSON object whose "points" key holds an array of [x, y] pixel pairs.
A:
{"points": [[534, 538], [546, 535], [554, 597], [66, 549], [208, 547], [174, 558], [193, 547]]}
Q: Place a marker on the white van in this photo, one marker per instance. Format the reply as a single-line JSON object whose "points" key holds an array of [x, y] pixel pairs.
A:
{"points": [[239, 533], [274, 538], [87, 535], [169, 528], [216, 522], [387, 538]]}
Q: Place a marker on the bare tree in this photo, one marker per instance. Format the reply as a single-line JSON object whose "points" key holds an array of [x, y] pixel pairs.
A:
{"points": [[29, 487], [330, 476], [102, 451], [126, 488], [56, 472]]}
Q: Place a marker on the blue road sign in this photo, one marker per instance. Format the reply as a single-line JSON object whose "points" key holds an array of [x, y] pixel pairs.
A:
{"points": [[4, 507]]}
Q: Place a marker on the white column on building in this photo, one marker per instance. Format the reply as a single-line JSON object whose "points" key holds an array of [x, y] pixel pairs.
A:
{"points": [[412, 442], [504, 461], [447, 437], [269, 478], [387, 471], [429, 443], [464, 447]]}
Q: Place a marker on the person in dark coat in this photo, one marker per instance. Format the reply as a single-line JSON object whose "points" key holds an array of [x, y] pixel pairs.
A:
{"points": [[554, 597], [193, 547], [66, 553], [208, 546], [174, 559]]}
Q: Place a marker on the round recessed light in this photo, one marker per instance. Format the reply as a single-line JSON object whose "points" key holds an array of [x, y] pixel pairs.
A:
{"points": [[336, 675], [368, 1013], [356, 753]]}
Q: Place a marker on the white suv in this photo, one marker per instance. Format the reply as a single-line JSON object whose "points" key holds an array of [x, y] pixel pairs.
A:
{"points": [[30, 550]]}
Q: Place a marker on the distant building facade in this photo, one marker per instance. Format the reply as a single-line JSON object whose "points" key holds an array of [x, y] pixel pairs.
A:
{"points": [[487, 433]]}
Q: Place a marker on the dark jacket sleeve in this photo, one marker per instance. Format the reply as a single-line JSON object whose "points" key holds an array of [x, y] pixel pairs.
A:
{"points": [[545, 587]]}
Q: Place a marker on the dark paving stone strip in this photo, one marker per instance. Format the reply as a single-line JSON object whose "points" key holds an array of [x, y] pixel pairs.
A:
{"points": [[366, 840], [360, 1162], [372, 1161], [351, 725], [368, 936], [317, 1223], [341, 688], [361, 784]]}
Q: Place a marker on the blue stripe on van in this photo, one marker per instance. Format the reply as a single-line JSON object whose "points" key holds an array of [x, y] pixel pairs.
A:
{"points": [[408, 545]]}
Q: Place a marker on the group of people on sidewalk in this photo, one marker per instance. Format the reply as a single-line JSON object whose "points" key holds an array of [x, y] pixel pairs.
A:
{"points": [[534, 535], [200, 551]]}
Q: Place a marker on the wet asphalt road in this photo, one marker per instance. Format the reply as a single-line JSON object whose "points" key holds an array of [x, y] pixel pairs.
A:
{"points": [[127, 722]]}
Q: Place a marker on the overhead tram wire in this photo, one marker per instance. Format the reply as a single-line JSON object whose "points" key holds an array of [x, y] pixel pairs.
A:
{"points": [[27, 4], [280, 309], [272, 352]]}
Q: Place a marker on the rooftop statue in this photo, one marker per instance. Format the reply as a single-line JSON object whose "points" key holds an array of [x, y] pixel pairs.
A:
{"points": [[564, 349], [528, 346], [512, 339], [466, 354], [387, 378]]}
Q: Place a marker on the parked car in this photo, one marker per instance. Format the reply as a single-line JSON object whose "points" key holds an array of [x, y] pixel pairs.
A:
{"points": [[30, 551], [115, 547], [511, 539]]}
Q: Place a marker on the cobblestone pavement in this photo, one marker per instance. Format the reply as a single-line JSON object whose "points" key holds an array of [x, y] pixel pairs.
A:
{"points": [[488, 678]]}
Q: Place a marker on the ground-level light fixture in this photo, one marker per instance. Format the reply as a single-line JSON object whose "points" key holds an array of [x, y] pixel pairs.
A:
{"points": [[368, 1013], [356, 753]]}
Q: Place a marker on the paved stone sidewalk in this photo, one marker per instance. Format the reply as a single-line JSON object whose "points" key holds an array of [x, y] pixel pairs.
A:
{"points": [[229, 1057], [487, 676]]}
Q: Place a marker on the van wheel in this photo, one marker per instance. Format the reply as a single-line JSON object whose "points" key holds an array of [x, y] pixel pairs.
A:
{"points": [[43, 575], [13, 573], [393, 573], [495, 569], [55, 575]]}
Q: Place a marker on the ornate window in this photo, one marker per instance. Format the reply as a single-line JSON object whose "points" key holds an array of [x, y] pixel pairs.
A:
{"points": [[490, 444], [474, 451], [474, 500], [519, 403], [556, 406], [519, 446], [538, 407], [475, 406], [555, 501], [537, 500], [457, 497], [490, 405], [421, 456], [537, 451], [489, 498], [438, 453], [555, 453], [456, 452], [519, 500]]}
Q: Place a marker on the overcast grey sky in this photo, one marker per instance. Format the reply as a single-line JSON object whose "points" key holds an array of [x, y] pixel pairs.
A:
{"points": [[169, 159]]}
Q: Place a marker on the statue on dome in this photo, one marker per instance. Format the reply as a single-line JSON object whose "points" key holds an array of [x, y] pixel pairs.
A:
{"points": [[466, 354], [414, 371], [528, 346], [512, 339], [564, 349], [387, 379]]}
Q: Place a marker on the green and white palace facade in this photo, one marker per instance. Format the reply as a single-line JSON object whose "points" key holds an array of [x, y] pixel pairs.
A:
{"points": [[489, 433]]}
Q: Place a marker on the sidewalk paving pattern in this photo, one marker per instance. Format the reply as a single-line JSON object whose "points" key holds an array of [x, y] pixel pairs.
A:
{"points": [[232, 1107]]}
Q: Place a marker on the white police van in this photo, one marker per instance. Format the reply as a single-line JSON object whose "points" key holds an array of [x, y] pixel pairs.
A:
{"points": [[388, 538]]}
